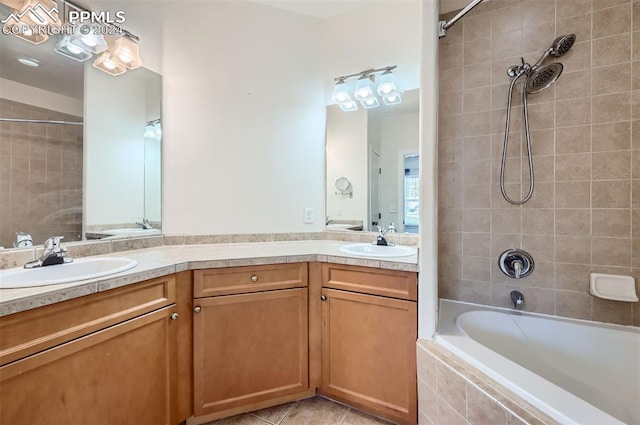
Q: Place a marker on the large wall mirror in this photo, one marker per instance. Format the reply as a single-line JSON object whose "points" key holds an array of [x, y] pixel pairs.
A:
{"points": [[376, 151], [89, 162]]}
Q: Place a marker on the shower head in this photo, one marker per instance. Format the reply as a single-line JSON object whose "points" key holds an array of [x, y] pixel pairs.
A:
{"points": [[543, 77], [562, 44], [559, 47]]}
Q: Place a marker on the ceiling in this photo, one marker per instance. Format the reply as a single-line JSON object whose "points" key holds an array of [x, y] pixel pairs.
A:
{"points": [[320, 9], [56, 73]]}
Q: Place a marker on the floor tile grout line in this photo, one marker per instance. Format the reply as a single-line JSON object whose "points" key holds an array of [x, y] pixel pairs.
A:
{"points": [[344, 417], [262, 419]]}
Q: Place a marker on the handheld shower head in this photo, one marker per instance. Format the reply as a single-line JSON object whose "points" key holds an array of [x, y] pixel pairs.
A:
{"points": [[559, 47], [562, 44]]}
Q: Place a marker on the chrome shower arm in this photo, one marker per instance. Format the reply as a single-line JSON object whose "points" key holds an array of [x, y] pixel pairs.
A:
{"points": [[443, 26]]}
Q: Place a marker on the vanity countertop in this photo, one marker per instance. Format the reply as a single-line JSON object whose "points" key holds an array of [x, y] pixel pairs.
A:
{"points": [[165, 260]]}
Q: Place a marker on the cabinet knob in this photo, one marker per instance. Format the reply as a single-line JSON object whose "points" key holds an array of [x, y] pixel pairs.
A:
{"points": [[254, 278], [197, 309], [174, 316], [323, 298]]}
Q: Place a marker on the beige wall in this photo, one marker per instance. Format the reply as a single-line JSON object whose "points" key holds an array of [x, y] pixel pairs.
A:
{"points": [[582, 216], [40, 175]]}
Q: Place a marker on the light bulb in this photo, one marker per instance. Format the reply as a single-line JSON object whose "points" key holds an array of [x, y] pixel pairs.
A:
{"points": [[125, 56], [72, 48], [387, 88], [392, 98], [109, 64], [363, 92], [370, 101], [89, 41], [342, 97]]}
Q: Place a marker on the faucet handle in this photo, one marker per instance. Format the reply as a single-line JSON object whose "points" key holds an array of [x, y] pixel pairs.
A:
{"points": [[53, 242]]}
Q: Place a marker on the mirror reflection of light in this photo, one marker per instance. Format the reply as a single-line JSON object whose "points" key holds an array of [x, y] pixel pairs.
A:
{"points": [[125, 57], [74, 49], [109, 64], [89, 41]]}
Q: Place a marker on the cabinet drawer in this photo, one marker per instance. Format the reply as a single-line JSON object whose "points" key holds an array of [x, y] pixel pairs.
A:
{"points": [[35, 330], [388, 283], [240, 280]]}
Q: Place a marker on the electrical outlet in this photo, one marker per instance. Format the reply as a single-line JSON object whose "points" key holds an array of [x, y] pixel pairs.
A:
{"points": [[308, 215]]}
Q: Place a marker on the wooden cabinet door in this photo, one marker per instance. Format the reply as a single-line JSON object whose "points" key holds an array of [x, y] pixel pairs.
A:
{"points": [[369, 353], [120, 375], [249, 348]]}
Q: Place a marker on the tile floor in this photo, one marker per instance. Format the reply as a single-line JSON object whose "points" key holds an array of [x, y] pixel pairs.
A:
{"points": [[311, 411]]}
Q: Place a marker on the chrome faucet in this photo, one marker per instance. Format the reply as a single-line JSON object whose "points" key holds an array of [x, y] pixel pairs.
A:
{"points": [[517, 268], [53, 254], [518, 299], [391, 228], [381, 240], [144, 223]]}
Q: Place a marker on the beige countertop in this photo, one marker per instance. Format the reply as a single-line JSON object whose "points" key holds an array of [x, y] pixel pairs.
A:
{"points": [[165, 260]]}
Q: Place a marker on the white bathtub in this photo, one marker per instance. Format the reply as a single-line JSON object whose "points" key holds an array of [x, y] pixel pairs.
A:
{"points": [[576, 371]]}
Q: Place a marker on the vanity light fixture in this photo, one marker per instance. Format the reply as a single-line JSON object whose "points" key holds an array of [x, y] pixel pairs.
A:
{"points": [[28, 14], [107, 63], [125, 51], [86, 39], [365, 90], [66, 48]]}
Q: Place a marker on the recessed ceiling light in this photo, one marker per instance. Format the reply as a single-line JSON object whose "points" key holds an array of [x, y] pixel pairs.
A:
{"points": [[29, 62]]}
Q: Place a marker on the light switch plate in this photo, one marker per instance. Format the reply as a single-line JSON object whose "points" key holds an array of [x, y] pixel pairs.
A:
{"points": [[308, 215]]}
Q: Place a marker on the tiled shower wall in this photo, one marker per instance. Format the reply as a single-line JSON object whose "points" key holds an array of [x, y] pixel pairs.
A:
{"points": [[584, 215], [40, 175]]}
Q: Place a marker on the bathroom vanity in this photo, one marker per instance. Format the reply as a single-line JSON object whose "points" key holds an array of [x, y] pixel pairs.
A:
{"points": [[215, 338]]}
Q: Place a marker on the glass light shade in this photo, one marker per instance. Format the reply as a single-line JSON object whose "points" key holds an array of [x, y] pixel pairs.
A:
{"points": [[393, 98], [341, 93], [387, 84], [85, 38], [349, 106], [105, 62], [364, 88], [370, 102], [125, 50], [41, 12], [70, 50]]}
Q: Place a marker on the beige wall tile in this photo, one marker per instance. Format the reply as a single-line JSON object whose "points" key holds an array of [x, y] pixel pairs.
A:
{"points": [[476, 268], [451, 81], [478, 100], [538, 221], [476, 124], [611, 222], [573, 139], [573, 194], [573, 277], [574, 84], [477, 172], [579, 57], [611, 108], [450, 104], [541, 116], [578, 305], [611, 251], [612, 311], [611, 136], [506, 221], [612, 21], [427, 403], [543, 276], [501, 243], [579, 25], [476, 220], [477, 75], [568, 8], [611, 79], [450, 56], [476, 292], [571, 249], [541, 247], [612, 50], [476, 196], [476, 148], [544, 142], [505, 44], [540, 300], [611, 165], [482, 409], [451, 387], [477, 28], [447, 414], [543, 195], [476, 244], [611, 194], [573, 222], [573, 167]]}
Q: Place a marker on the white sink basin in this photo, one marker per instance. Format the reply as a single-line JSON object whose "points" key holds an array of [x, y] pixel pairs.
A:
{"points": [[369, 250], [80, 269]]}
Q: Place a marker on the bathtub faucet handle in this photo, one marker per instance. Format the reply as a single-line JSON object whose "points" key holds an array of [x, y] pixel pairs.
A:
{"points": [[517, 268], [518, 299]]}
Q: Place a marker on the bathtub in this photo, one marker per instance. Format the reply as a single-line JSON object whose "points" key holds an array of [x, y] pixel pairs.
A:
{"points": [[577, 372]]}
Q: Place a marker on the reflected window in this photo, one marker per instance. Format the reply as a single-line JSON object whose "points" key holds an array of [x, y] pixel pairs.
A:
{"points": [[411, 193]]}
